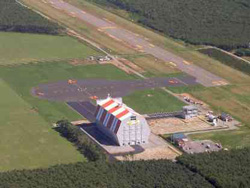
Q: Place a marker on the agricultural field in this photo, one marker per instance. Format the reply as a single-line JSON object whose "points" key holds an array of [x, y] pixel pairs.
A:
{"points": [[17, 48], [22, 78], [227, 59], [15, 17], [192, 22], [27, 140], [152, 101]]}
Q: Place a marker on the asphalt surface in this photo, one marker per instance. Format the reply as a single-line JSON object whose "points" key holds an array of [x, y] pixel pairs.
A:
{"points": [[93, 130], [140, 43], [84, 90], [86, 109]]}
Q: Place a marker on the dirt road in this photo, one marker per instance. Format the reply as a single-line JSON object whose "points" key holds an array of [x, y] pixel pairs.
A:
{"points": [[140, 43]]}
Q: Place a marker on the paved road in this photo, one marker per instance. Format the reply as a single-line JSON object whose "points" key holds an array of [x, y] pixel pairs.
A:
{"points": [[139, 42]]}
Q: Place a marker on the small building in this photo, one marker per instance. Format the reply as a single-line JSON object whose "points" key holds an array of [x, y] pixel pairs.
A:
{"points": [[179, 139], [121, 123], [189, 112], [225, 117]]}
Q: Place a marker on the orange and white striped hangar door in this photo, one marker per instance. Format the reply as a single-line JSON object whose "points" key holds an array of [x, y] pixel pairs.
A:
{"points": [[122, 124]]}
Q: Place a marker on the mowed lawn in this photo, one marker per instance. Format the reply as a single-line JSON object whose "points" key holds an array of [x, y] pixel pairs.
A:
{"points": [[235, 100], [26, 139], [23, 77], [152, 101], [18, 48]]}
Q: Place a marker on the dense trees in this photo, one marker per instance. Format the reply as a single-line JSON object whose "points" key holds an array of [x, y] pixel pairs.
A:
{"points": [[223, 23], [140, 174], [227, 59], [14, 17], [242, 52], [222, 169], [81, 141], [219, 169]]}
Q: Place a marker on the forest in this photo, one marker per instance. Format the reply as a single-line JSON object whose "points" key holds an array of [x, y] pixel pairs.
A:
{"points": [[221, 23], [222, 169], [227, 59], [16, 18], [140, 174]]}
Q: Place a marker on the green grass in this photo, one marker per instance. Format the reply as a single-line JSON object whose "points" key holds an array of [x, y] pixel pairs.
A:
{"points": [[22, 78], [18, 48], [152, 101], [27, 140], [186, 89], [229, 139]]}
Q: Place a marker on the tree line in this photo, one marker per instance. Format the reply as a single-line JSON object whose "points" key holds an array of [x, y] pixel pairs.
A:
{"points": [[16, 18], [222, 23], [227, 60], [222, 169], [83, 143], [219, 169], [139, 174]]}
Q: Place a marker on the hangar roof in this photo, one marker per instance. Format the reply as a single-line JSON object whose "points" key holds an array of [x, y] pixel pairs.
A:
{"points": [[117, 109]]}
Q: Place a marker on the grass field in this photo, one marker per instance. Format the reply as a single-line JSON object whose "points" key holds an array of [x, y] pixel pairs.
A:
{"points": [[152, 101], [229, 139], [152, 65], [16, 48], [22, 78], [27, 140]]}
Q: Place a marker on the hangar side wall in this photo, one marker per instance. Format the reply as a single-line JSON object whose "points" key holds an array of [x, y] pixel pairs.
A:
{"points": [[133, 132], [107, 132]]}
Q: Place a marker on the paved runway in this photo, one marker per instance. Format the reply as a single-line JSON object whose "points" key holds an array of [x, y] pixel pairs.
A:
{"points": [[84, 90], [139, 42]]}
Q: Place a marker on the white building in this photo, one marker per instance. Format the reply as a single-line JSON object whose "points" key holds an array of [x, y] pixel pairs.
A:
{"points": [[121, 123]]}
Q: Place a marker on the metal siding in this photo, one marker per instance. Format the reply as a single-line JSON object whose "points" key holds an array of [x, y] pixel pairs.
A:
{"points": [[110, 121], [97, 110], [117, 127], [103, 116], [99, 114], [106, 120]]}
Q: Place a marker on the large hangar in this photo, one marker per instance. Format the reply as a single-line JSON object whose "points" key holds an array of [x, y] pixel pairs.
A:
{"points": [[121, 123]]}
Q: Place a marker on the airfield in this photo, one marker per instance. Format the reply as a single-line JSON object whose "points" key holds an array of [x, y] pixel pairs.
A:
{"points": [[85, 90], [139, 43], [42, 78]]}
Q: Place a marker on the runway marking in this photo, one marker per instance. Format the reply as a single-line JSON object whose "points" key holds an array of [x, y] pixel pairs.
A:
{"points": [[108, 27], [139, 46], [108, 21], [186, 62], [151, 45], [171, 63], [219, 82], [113, 37]]}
